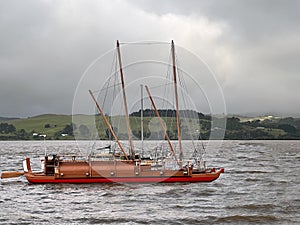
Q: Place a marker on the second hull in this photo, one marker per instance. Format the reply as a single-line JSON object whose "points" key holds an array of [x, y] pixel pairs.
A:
{"points": [[206, 177]]}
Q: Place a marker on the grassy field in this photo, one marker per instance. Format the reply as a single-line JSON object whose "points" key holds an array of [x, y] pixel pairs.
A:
{"points": [[50, 124], [37, 124], [53, 125]]}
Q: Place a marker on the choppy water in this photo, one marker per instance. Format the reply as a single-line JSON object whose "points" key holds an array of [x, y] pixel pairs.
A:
{"points": [[260, 185]]}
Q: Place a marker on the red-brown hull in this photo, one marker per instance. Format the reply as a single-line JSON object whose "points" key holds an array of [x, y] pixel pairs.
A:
{"points": [[80, 171], [206, 177]]}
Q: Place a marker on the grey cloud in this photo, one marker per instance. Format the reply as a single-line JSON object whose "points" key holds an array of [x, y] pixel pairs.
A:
{"points": [[253, 46]]}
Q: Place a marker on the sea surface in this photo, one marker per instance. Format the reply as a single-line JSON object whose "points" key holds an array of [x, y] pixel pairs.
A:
{"points": [[261, 185]]}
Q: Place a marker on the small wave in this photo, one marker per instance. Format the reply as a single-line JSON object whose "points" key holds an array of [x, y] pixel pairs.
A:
{"points": [[243, 218], [250, 171], [252, 179], [253, 207], [93, 220], [12, 181], [251, 144], [232, 193], [3, 220]]}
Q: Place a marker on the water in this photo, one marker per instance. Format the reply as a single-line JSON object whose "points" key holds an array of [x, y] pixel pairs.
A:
{"points": [[260, 185]]}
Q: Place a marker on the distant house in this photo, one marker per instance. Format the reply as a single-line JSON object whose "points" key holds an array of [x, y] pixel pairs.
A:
{"points": [[64, 135], [35, 134]]}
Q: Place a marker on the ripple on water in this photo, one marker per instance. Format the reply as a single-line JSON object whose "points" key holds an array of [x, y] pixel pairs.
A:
{"points": [[257, 187], [237, 219]]}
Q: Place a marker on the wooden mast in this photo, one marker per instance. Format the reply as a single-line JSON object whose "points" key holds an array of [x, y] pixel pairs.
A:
{"points": [[162, 125], [125, 103], [142, 119], [108, 125], [176, 103]]}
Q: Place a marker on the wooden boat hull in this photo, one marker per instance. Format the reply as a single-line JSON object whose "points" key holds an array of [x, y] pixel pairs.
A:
{"points": [[81, 171], [204, 177], [49, 179]]}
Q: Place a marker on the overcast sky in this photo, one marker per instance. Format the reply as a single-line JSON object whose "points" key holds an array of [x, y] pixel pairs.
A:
{"points": [[253, 47]]}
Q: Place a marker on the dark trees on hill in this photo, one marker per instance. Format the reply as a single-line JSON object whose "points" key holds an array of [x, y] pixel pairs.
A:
{"points": [[69, 130], [6, 128], [233, 123], [288, 128]]}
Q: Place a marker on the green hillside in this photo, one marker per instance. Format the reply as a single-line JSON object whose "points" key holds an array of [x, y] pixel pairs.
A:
{"points": [[37, 124], [82, 127], [54, 126]]}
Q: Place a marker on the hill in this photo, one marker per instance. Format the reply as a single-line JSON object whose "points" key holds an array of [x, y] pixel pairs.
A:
{"points": [[62, 127], [267, 127], [8, 118], [25, 127]]}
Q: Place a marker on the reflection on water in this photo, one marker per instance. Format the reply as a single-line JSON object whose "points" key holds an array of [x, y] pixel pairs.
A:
{"points": [[260, 185]]}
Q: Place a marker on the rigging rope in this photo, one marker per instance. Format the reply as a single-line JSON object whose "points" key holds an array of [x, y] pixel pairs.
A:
{"points": [[183, 87], [144, 43]]}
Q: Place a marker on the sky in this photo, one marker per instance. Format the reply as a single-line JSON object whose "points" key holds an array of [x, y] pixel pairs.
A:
{"points": [[252, 48]]}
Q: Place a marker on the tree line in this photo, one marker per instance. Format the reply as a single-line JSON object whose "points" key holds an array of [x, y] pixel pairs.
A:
{"points": [[187, 113], [9, 132]]}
